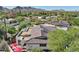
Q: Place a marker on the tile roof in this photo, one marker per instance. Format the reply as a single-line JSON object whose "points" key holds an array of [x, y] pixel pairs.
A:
{"points": [[38, 41], [41, 30], [64, 23], [60, 23], [36, 31]]}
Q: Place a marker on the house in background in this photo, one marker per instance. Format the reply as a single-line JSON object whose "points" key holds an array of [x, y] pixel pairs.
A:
{"points": [[12, 22], [64, 25]]}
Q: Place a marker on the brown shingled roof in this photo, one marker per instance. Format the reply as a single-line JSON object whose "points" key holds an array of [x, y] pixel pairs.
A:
{"points": [[36, 41], [39, 31], [36, 31]]}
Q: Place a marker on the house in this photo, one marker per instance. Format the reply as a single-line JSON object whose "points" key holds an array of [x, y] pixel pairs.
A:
{"points": [[27, 18], [39, 17], [64, 25], [60, 23], [4, 20], [35, 37], [56, 23], [13, 22], [51, 17]]}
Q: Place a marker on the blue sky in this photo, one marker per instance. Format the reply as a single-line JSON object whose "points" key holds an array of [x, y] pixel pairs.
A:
{"points": [[68, 8]]}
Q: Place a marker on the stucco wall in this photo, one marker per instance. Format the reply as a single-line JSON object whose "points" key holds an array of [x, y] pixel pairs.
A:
{"points": [[29, 46]]}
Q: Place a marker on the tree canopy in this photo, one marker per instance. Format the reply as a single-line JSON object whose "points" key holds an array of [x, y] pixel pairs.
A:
{"points": [[19, 18], [60, 40]]}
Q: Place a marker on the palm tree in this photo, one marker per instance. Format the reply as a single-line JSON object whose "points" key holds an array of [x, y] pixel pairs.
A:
{"points": [[4, 17]]}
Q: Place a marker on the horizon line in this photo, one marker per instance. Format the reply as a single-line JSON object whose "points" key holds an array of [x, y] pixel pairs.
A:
{"points": [[50, 8]]}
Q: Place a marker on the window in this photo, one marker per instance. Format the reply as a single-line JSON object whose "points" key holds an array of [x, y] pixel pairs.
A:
{"points": [[42, 45], [19, 42], [24, 44], [41, 37]]}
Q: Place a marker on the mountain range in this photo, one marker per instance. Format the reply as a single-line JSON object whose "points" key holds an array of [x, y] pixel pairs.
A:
{"points": [[20, 9]]}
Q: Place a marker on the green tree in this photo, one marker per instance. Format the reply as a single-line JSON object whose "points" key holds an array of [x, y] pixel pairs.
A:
{"points": [[75, 21], [74, 43], [24, 24], [11, 30], [60, 40], [57, 40], [19, 18], [74, 46]]}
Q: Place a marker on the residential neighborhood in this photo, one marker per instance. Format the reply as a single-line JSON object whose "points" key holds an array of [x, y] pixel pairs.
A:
{"points": [[28, 29]]}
